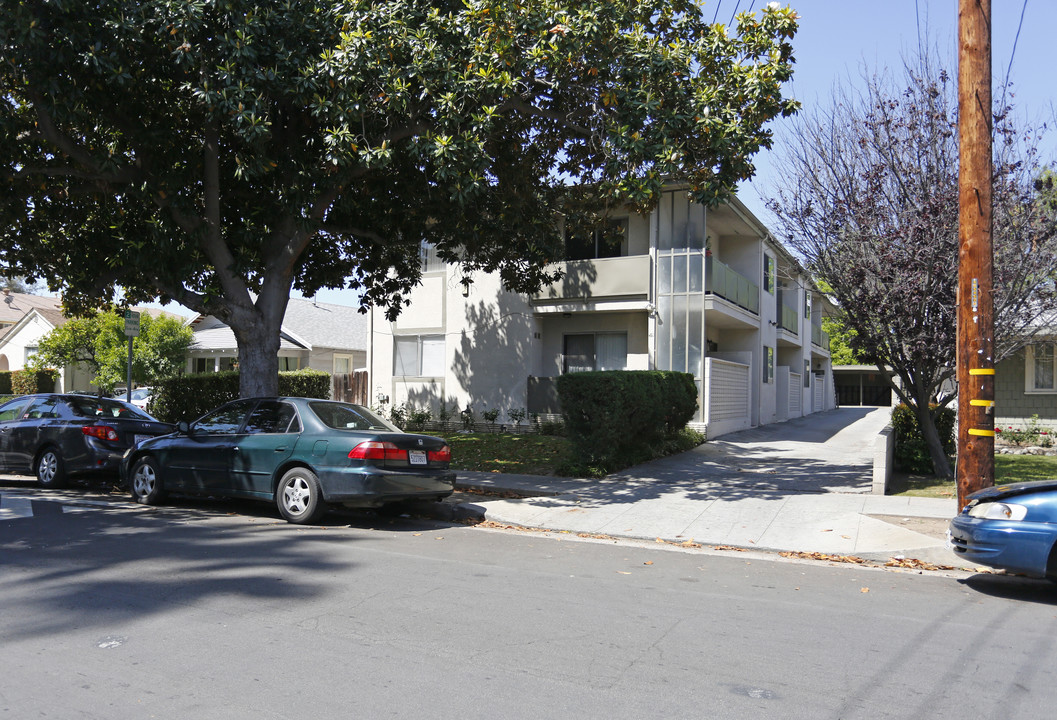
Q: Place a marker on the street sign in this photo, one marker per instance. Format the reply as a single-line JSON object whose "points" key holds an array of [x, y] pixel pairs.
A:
{"points": [[131, 323]]}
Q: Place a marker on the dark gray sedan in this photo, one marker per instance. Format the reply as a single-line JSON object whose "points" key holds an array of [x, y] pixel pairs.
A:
{"points": [[299, 453], [56, 436]]}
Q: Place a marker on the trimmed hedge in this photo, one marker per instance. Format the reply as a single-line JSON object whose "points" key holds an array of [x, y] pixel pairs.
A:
{"points": [[620, 418], [911, 451], [188, 397], [5, 382], [27, 382]]}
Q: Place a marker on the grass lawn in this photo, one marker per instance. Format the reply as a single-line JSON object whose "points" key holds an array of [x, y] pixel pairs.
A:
{"points": [[1008, 469], [515, 453]]}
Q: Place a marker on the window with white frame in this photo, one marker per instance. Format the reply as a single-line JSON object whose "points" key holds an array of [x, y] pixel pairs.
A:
{"points": [[342, 364], [585, 352], [287, 363], [427, 255], [1041, 368], [418, 356]]}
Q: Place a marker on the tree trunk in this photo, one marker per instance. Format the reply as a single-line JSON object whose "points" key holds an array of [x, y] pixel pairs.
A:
{"points": [[941, 466], [258, 343]]}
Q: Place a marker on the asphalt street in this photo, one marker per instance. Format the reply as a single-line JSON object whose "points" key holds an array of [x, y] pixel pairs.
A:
{"points": [[219, 610]]}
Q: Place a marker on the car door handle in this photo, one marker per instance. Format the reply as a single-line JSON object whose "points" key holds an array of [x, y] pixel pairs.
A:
{"points": [[281, 449], [235, 448]]}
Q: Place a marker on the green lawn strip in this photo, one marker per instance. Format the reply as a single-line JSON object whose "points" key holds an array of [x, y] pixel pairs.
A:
{"points": [[515, 453], [1008, 469]]}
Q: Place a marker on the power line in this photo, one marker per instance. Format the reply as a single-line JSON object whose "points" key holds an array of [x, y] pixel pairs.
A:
{"points": [[1013, 52]]}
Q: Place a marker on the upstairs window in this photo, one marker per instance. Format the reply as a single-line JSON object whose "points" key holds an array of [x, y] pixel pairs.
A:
{"points": [[609, 240]]}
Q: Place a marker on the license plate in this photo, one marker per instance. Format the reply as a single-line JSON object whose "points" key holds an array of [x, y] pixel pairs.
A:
{"points": [[416, 457], [137, 439]]}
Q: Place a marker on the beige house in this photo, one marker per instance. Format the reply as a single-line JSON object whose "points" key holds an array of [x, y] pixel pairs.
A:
{"points": [[709, 292], [322, 336]]}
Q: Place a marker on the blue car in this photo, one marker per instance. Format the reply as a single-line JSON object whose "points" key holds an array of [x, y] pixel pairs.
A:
{"points": [[1013, 527]]}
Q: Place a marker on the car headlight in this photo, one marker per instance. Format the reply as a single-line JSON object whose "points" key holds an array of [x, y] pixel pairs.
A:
{"points": [[998, 511]]}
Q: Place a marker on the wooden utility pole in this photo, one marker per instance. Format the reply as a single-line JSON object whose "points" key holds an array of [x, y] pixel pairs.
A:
{"points": [[975, 360]]}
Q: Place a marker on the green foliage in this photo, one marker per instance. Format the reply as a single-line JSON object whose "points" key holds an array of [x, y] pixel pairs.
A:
{"points": [[1031, 434], [621, 418], [98, 341], [911, 450], [516, 415], [220, 154], [305, 383], [5, 382], [27, 382], [840, 342], [188, 397], [491, 415]]}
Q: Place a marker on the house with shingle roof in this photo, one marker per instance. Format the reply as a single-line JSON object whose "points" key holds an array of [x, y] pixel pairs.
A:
{"points": [[322, 336], [28, 318]]}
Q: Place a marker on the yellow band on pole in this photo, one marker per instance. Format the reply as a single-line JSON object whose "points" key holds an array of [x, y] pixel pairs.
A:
{"points": [[981, 371], [982, 403], [982, 433]]}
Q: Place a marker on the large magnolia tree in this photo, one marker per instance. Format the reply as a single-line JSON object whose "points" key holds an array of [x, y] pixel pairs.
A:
{"points": [[220, 152], [871, 203]]}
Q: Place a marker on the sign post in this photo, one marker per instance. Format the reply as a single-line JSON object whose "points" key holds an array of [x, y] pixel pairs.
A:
{"points": [[131, 330]]}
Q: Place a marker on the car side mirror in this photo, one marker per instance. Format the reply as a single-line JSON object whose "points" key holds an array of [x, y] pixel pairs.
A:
{"points": [[183, 427]]}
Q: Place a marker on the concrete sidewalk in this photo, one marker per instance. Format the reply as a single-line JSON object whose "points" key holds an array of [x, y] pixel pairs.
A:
{"points": [[800, 486]]}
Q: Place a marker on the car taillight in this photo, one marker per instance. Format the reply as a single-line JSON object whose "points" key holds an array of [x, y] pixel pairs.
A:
{"points": [[103, 432], [374, 450], [441, 456]]}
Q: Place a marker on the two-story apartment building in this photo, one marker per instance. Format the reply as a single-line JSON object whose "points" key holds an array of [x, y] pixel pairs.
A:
{"points": [[709, 292]]}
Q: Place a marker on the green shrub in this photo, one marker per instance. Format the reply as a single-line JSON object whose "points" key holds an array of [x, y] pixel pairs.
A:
{"points": [[27, 382], [911, 451], [188, 397], [620, 418], [5, 382]]}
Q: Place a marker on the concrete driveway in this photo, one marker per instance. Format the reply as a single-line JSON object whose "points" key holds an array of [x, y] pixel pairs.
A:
{"points": [[802, 485]]}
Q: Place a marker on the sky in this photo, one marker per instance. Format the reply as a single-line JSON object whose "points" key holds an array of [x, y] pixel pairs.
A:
{"points": [[840, 39]]}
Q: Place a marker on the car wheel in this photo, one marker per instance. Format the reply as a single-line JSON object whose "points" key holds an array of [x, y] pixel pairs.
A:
{"points": [[145, 482], [299, 498], [51, 471]]}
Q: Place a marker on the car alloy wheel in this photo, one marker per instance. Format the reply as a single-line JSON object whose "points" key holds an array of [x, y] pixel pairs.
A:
{"points": [[50, 469], [146, 482], [299, 497]]}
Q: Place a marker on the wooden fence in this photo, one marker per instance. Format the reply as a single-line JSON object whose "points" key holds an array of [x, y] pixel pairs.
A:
{"points": [[351, 387]]}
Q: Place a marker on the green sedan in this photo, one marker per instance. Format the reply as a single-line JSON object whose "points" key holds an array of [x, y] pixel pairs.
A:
{"points": [[300, 453]]}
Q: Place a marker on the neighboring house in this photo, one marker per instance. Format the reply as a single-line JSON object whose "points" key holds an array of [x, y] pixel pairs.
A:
{"points": [[19, 341], [15, 307], [322, 336], [1026, 383], [706, 292]]}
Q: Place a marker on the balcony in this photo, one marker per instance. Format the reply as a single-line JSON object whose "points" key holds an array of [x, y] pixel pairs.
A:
{"points": [[819, 337], [617, 278], [790, 320], [732, 286]]}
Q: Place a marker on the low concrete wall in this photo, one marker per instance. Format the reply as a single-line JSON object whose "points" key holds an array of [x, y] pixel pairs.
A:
{"points": [[883, 457]]}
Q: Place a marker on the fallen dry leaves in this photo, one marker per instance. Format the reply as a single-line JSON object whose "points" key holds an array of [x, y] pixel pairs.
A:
{"points": [[855, 559], [915, 564]]}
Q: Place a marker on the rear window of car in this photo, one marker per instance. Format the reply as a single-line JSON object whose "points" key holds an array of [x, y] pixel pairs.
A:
{"points": [[105, 408], [342, 416]]}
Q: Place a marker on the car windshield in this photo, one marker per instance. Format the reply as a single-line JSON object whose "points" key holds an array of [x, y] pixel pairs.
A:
{"points": [[105, 408], [342, 416]]}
